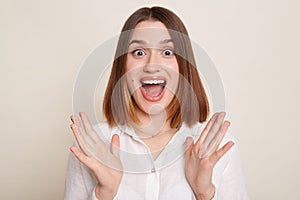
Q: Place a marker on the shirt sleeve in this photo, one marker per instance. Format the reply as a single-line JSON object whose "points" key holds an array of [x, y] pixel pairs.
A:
{"points": [[94, 194], [232, 185], [80, 181], [95, 198]]}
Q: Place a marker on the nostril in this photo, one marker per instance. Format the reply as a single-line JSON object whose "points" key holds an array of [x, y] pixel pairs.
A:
{"points": [[152, 68]]}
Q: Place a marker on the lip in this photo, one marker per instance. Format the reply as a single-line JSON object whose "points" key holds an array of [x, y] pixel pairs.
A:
{"points": [[155, 78]]}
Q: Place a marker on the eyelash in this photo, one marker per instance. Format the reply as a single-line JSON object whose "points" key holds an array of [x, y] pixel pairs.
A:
{"points": [[170, 50], [136, 51]]}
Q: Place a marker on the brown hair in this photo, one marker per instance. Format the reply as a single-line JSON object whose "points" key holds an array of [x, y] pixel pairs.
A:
{"points": [[190, 103]]}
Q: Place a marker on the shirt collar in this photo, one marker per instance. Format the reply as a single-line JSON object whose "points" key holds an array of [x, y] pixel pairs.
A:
{"points": [[128, 130]]}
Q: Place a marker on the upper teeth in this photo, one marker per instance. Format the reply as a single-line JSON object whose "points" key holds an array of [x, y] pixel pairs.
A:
{"points": [[153, 82]]}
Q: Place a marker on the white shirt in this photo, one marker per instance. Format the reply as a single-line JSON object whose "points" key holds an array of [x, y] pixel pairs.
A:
{"points": [[159, 179]]}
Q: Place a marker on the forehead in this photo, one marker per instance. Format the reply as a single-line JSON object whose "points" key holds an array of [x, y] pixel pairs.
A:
{"points": [[152, 32]]}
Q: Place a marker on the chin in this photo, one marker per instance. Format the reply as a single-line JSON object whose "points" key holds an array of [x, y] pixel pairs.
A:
{"points": [[153, 107]]}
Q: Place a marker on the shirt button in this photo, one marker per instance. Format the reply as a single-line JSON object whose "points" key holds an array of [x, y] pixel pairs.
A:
{"points": [[153, 170]]}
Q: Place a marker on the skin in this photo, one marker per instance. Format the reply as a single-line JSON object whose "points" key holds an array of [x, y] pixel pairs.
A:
{"points": [[150, 54], [202, 156], [108, 178], [151, 59]]}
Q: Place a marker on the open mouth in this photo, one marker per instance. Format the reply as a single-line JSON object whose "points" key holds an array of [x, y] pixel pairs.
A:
{"points": [[153, 89]]}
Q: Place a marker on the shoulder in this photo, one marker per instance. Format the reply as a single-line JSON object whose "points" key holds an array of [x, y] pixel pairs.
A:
{"points": [[102, 126]]}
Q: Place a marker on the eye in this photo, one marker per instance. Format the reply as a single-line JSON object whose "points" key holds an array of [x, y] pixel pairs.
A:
{"points": [[138, 52], [168, 52]]}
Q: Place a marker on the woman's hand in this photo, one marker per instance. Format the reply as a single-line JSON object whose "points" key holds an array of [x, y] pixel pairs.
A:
{"points": [[97, 157], [202, 156]]}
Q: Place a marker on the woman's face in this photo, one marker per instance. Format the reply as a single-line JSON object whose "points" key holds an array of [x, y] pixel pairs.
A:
{"points": [[151, 67]]}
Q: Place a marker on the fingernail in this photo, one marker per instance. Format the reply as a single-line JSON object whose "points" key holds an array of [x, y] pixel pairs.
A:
{"points": [[188, 141]]}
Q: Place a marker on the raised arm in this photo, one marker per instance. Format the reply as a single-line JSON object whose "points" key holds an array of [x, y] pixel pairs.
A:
{"points": [[99, 159]]}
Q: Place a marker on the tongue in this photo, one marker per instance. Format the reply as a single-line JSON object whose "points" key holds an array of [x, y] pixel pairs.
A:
{"points": [[153, 90]]}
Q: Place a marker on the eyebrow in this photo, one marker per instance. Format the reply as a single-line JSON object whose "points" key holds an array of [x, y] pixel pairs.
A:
{"points": [[144, 42], [137, 42], [166, 41]]}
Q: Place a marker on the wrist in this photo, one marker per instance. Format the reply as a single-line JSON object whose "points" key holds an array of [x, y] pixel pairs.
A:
{"points": [[103, 193], [209, 194]]}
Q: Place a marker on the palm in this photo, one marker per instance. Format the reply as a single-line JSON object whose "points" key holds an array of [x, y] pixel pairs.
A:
{"points": [[202, 156], [102, 159]]}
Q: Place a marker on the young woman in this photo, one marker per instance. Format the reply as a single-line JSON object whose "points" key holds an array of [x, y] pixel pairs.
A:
{"points": [[156, 143]]}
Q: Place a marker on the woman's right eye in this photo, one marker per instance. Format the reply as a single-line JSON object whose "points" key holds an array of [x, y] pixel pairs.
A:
{"points": [[138, 52]]}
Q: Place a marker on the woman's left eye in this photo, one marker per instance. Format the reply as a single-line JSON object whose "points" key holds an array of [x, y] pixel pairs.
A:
{"points": [[168, 52]]}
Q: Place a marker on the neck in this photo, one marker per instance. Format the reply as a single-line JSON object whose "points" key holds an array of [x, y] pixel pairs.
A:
{"points": [[152, 125]]}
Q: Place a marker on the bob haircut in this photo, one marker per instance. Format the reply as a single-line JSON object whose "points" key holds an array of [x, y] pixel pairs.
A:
{"points": [[190, 103]]}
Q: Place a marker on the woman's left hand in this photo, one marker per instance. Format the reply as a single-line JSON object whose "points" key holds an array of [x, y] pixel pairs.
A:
{"points": [[202, 156]]}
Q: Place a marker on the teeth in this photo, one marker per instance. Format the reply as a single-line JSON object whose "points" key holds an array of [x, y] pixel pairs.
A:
{"points": [[153, 82]]}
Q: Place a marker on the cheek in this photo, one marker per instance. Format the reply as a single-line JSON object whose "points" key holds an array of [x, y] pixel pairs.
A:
{"points": [[172, 64], [128, 64], [132, 68], [131, 63], [175, 66], [132, 83]]}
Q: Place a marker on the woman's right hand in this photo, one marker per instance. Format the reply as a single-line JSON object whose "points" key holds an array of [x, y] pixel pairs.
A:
{"points": [[103, 161]]}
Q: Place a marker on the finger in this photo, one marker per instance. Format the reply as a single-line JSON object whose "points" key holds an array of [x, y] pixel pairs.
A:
{"points": [[205, 131], [82, 132], [100, 148], [221, 152], [79, 139], [213, 145], [80, 156], [88, 127], [91, 137], [76, 121], [115, 145], [215, 128], [220, 137], [87, 144], [189, 146], [212, 132]]}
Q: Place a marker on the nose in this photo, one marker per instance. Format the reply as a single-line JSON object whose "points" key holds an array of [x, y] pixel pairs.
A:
{"points": [[153, 62]]}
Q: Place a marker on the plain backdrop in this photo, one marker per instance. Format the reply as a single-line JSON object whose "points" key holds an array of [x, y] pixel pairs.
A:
{"points": [[254, 45]]}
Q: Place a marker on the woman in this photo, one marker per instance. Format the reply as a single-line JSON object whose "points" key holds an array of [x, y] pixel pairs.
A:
{"points": [[159, 144]]}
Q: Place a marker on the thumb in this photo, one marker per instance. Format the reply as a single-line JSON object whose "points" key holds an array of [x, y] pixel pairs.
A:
{"points": [[115, 145]]}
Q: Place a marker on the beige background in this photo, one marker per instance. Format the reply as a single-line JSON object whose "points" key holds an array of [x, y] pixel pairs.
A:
{"points": [[254, 44]]}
